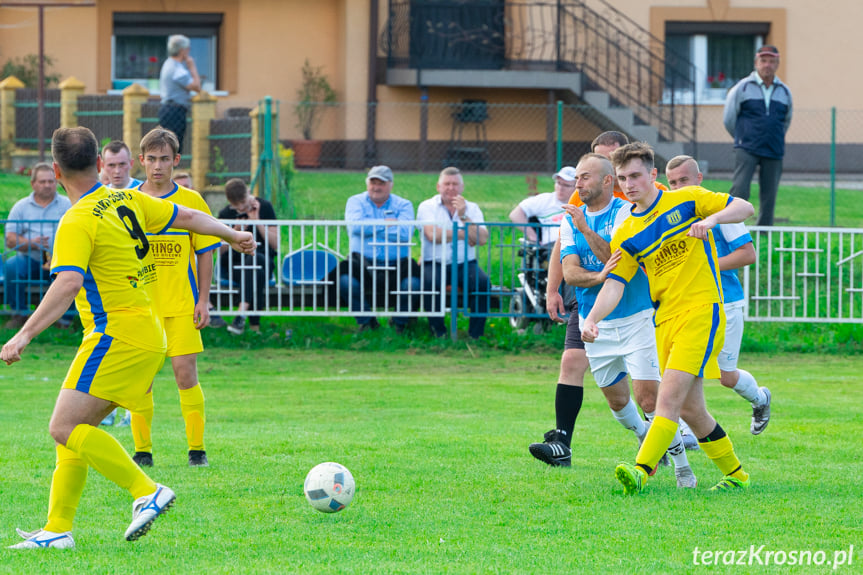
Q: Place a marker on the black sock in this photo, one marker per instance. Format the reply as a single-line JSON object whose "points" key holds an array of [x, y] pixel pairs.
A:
{"points": [[567, 404], [715, 435]]}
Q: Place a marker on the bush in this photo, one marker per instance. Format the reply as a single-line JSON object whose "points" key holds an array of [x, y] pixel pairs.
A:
{"points": [[26, 69]]}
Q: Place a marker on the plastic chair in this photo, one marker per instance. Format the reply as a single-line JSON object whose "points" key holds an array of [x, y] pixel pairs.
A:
{"points": [[308, 267]]}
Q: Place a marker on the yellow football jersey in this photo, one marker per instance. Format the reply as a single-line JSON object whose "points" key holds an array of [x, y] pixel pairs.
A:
{"points": [[176, 265], [683, 271], [103, 236]]}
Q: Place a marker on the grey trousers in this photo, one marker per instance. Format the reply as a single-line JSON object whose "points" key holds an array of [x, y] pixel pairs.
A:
{"points": [[769, 173]]}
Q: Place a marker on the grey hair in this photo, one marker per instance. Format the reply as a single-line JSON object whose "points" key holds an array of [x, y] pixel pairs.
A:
{"points": [[177, 43]]}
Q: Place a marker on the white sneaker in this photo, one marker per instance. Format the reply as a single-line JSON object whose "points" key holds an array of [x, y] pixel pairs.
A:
{"points": [[127, 419], [689, 441], [41, 539], [146, 509], [685, 477]]}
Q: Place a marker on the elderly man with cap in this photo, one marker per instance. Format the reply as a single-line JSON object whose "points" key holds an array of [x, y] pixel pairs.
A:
{"points": [[380, 265], [757, 114], [546, 209]]}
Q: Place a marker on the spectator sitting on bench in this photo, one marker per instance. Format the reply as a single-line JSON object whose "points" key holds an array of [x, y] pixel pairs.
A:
{"points": [[445, 208], [379, 260], [251, 273], [31, 239]]}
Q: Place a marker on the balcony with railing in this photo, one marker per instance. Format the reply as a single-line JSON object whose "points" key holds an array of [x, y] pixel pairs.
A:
{"points": [[611, 52]]}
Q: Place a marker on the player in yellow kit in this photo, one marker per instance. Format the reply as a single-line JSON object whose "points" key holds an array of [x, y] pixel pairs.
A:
{"points": [[102, 259], [668, 235], [184, 266]]}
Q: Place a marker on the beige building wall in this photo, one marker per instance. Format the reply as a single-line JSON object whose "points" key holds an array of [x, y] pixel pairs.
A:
{"points": [[265, 42], [69, 39]]}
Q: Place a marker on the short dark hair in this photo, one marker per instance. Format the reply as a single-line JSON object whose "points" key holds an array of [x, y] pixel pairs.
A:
{"points": [[40, 167], [74, 149], [634, 151], [158, 138], [609, 139], [115, 147], [236, 190]]}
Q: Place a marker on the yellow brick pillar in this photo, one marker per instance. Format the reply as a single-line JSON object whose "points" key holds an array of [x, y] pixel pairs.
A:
{"points": [[7, 120], [70, 89], [203, 111], [256, 152], [134, 97]]}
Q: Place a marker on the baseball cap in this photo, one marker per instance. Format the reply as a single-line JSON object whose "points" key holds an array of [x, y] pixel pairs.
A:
{"points": [[767, 50], [383, 173], [566, 173]]}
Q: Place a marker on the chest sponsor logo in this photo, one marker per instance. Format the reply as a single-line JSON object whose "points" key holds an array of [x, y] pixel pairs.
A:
{"points": [[669, 256], [167, 251]]}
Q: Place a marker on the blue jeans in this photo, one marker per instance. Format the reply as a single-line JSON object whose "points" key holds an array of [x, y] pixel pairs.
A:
{"points": [[478, 287], [20, 271]]}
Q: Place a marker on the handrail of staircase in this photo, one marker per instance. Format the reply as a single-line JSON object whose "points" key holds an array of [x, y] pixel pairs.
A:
{"points": [[612, 51], [633, 70]]}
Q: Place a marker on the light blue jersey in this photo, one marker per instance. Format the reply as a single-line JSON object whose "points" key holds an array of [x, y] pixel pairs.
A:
{"points": [[729, 237], [636, 296]]}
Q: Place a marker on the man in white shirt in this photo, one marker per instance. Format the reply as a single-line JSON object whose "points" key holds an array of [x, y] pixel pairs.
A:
{"points": [[546, 209], [459, 221]]}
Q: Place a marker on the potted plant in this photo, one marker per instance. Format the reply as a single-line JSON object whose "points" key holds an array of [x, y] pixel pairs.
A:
{"points": [[313, 96]]}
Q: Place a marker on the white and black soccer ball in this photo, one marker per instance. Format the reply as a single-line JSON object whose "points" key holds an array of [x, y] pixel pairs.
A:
{"points": [[329, 487]]}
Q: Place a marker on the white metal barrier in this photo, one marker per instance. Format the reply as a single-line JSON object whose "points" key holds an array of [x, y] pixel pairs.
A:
{"points": [[303, 276], [805, 274]]}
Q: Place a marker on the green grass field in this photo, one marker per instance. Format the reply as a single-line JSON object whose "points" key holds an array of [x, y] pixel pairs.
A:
{"points": [[437, 443], [436, 435]]}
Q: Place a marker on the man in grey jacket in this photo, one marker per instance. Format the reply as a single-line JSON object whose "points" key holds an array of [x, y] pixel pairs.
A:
{"points": [[757, 114]]}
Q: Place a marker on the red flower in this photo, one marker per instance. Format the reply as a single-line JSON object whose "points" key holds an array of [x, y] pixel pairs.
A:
{"points": [[710, 79], [721, 77], [153, 59]]}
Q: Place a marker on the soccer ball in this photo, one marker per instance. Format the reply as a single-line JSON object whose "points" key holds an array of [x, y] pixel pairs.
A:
{"points": [[329, 487]]}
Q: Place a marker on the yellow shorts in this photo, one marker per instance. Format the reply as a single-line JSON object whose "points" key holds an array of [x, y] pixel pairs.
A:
{"points": [[691, 341], [183, 338], [113, 370]]}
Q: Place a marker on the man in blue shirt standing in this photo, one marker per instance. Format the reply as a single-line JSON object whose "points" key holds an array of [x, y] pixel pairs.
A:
{"points": [[757, 115], [380, 264]]}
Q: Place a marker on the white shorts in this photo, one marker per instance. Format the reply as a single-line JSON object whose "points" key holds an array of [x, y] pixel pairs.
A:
{"points": [[733, 337], [626, 348]]}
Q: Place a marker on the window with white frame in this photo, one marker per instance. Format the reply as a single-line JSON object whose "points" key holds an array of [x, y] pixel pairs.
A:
{"points": [[139, 46], [721, 53]]}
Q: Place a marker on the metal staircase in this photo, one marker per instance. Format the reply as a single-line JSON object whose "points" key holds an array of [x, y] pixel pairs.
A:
{"points": [[587, 51]]}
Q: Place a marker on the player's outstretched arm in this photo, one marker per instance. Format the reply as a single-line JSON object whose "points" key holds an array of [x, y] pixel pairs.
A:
{"points": [[606, 301], [736, 211], [207, 225], [57, 300]]}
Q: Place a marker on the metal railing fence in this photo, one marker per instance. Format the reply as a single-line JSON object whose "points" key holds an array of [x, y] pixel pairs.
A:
{"points": [[800, 275]]}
